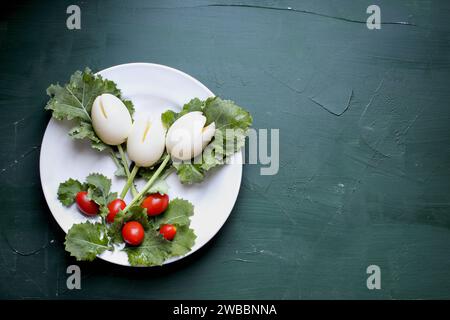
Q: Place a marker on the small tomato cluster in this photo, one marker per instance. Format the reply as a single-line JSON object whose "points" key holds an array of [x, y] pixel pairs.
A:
{"points": [[132, 232]]}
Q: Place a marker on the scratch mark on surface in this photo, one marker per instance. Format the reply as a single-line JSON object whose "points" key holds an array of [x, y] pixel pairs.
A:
{"points": [[374, 148], [15, 123], [412, 122], [372, 98], [19, 159], [251, 186], [272, 254], [30, 253], [290, 9], [287, 85], [366, 164], [324, 15], [255, 251], [240, 260], [31, 280], [331, 111], [219, 83]]}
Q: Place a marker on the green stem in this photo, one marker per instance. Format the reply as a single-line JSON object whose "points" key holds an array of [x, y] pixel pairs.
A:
{"points": [[127, 170], [114, 158], [167, 173], [129, 182], [148, 184]]}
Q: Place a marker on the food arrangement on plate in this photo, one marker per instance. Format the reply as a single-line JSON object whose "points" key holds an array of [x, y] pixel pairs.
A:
{"points": [[152, 227]]}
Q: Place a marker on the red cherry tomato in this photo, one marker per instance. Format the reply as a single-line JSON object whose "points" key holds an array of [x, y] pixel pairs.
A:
{"points": [[114, 207], [155, 204], [87, 206], [168, 231], [133, 233]]}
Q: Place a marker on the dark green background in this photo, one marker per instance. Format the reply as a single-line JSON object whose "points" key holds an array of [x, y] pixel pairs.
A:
{"points": [[370, 186]]}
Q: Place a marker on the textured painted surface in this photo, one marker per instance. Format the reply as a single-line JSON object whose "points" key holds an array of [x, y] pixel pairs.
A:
{"points": [[364, 128]]}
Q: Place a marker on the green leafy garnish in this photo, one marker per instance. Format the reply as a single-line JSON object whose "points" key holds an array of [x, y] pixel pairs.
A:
{"points": [[160, 186], [120, 172], [226, 115], [183, 241], [189, 172], [74, 100], [153, 251], [177, 212], [68, 190], [86, 240], [135, 213], [169, 117], [99, 188]]}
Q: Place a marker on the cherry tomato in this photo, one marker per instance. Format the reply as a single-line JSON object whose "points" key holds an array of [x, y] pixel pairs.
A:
{"points": [[114, 207], [155, 204], [168, 231], [87, 206], [133, 233]]}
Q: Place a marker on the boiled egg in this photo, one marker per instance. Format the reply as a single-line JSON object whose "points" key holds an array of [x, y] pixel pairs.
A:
{"points": [[188, 136], [146, 141], [111, 119]]}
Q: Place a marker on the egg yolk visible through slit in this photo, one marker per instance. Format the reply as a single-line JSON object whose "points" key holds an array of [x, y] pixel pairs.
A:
{"points": [[103, 109], [147, 128]]}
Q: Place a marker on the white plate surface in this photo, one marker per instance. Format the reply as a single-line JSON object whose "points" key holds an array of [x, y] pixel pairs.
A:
{"points": [[153, 89]]}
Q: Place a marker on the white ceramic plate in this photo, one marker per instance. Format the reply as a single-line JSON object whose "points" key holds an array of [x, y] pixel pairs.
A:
{"points": [[152, 88]]}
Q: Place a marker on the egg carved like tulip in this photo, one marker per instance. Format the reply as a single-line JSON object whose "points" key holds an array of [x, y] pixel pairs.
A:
{"points": [[188, 136], [146, 141], [111, 119]]}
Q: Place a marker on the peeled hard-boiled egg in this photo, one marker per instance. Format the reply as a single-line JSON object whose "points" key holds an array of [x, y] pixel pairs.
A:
{"points": [[146, 141], [110, 119], [188, 136]]}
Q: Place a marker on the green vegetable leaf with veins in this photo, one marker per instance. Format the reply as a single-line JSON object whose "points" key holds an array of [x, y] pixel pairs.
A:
{"points": [[74, 100], [160, 186], [85, 241], [169, 116], [99, 188], [226, 115], [189, 173], [68, 190], [85, 130], [120, 172], [135, 213], [177, 212], [183, 241], [153, 251]]}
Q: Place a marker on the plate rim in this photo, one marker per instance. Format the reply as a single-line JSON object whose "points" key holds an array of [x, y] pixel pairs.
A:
{"points": [[238, 154]]}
